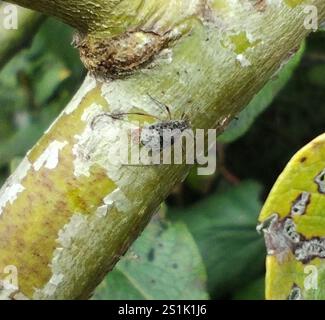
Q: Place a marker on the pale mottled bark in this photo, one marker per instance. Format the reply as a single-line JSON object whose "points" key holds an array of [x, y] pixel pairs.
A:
{"points": [[70, 211]]}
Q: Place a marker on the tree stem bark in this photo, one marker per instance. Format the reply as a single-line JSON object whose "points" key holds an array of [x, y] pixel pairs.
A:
{"points": [[72, 208]]}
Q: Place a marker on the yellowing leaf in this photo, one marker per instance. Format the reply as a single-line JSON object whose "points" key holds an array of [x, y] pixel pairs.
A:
{"points": [[293, 223]]}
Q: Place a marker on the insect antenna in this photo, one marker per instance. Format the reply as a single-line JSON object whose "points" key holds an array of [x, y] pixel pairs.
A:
{"points": [[113, 116], [118, 116], [161, 106]]}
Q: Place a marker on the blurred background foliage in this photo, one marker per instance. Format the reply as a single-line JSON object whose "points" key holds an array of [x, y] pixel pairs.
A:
{"points": [[203, 243]]}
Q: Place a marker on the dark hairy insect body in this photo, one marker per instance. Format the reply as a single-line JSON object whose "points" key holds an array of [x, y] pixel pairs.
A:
{"points": [[163, 134], [156, 136]]}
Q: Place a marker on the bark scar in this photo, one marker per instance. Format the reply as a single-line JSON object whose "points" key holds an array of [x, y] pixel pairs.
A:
{"points": [[120, 55]]}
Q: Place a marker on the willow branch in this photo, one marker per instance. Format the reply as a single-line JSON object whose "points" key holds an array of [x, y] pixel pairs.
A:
{"points": [[90, 16], [73, 208]]}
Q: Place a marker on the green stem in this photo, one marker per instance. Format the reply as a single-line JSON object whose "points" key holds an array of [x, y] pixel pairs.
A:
{"points": [[72, 209], [85, 16]]}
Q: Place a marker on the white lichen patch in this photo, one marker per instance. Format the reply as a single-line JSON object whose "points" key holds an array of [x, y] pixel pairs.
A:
{"points": [[22, 170], [93, 142], [120, 99], [274, 3], [252, 38], [92, 112], [164, 57], [241, 43], [244, 62], [70, 230], [102, 210], [119, 200], [161, 16], [13, 186], [19, 296], [81, 255], [10, 194], [104, 142], [7, 292], [88, 85], [53, 283], [65, 239], [116, 198], [49, 159]]}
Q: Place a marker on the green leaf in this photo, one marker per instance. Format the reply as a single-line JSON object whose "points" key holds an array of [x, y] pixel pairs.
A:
{"points": [[316, 75], [37, 82], [21, 141], [261, 101], [47, 79], [165, 263], [254, 291], [224, 227], [50, 34]]}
